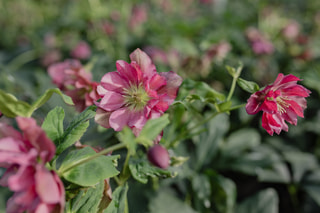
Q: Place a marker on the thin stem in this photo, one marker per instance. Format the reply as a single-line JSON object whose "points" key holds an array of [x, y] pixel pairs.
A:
{"points": [[237, 107], [125, 172], [234, 82], [82, 161]]}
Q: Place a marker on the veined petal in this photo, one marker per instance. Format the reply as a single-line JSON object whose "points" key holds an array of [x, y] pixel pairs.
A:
{"points": [[111, 101], [127, 71], [113, 81], [296, 90], [119, 118], [144, 62], [173, 83], [137, 119], [157, 81]]}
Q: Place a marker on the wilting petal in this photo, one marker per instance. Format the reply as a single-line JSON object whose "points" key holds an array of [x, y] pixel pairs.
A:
{"points": [[102, 118]]}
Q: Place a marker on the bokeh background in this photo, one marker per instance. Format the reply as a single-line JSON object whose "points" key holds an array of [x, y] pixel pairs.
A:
{"points": [[232, 166]]}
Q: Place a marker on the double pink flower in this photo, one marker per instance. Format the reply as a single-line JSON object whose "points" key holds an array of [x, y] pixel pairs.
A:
{"points": [[135, 93], [75, 82], [36, 189], [282, 101]]}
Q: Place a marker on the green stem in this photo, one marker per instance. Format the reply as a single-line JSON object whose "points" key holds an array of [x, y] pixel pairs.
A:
{"points": [[125, 174], [82, 161], [234, 82], [237, 107]]}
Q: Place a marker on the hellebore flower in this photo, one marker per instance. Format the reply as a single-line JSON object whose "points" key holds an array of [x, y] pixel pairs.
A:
{"points": [[135, 93], [36, 189], [75, 82], [284, 100]]}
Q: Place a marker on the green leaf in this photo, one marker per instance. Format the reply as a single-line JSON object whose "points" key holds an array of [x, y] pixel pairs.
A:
{"points": [[248, 86], [76, 129], [119, 200], [166, 201], [127, 137], [53, 124], [141, 170], [265, 201], [11, 107], [152, 129], [81, 168], [87, 199]]}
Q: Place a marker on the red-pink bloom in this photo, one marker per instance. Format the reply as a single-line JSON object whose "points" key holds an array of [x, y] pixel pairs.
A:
{"points": [[81, 51], [135, 93], [24, 155], [284, 100], [75, 81]]}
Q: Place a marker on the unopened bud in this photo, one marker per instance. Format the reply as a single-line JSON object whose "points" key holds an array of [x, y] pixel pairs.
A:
{"points": [[159, 156]]}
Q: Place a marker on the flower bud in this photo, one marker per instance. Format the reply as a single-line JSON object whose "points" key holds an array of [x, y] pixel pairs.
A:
{"points": [[159, 156]]}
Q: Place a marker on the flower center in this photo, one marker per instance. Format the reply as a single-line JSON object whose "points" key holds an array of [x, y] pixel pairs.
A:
{"points": [[282, 105], [135, 97]]}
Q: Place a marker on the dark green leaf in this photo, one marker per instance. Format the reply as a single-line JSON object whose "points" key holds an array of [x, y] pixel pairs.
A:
{"points": [[119, 200], [141, 170], [76, 129], [265, 201]]}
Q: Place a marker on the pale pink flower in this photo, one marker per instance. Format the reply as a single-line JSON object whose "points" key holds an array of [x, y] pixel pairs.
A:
{"points": [[259, 44], [139, 15], [74, 81], [24, 155], [135, 93], [81, 51], [291, 31], [284, 100]]}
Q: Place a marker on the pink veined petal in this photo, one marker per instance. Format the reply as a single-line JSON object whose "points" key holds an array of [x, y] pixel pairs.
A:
{"points": [[295, 107], [8, 131], [102, 118], [296, 90], [111, 101], [36, 136], [289, 78], [101, 90], [269, 106], [137, 119], [144, 62], [127, 71], [23, 179], [253, 104], [173, 83], [290, 116], [157, 81], [11, 144], [119, 118], [269, 124], [113, 81], [46, 186]]}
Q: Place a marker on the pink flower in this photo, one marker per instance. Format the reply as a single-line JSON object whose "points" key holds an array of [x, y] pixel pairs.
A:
{"points": [[259, 44], [291, 31], [81, 51], [139, 15], [76, 82], [24, 155], [282, 101], [135, 93]]}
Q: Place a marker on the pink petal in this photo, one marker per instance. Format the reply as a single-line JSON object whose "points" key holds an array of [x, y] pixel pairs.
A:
{"points": [[113, 81], [128, 72], [137, 119], [157, 81], [119, 119], [144, 62], [102, 118], [46, 186], [11, 144], [8, 131], [111, 101], [296, 90], [173, 83], [23, 179]]}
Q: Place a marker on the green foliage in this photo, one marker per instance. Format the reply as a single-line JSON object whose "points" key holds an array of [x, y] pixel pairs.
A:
{"points": [[119, 202]]}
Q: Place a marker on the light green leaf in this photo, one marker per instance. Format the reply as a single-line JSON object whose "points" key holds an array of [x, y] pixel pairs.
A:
{"points": [[11, 107], [248, 86], [127, 137], [53, 124], [81, 168]]}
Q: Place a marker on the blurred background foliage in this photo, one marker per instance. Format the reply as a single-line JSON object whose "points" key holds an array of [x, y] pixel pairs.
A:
{"points": [[233, 164]]}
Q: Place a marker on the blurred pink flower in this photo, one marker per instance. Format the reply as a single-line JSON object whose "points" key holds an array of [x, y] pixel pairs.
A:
{"points": [[139, 15], [259, 44], [24, 155], [75, 82], [291, 31], [81, 51], [156, 54], [284, 100], [50, 57], [218, 51], [135, 93]]}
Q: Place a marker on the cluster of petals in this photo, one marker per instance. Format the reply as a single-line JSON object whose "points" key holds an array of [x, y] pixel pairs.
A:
{"points": [[36, 189], [284, 100], [135, 93], [75, 82], [259, 44]]}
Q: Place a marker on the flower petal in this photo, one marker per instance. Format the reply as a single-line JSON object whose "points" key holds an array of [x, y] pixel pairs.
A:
{"points": [[119, 118], [111, 101], [144, 62], [113, 81], [102, 118]]}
